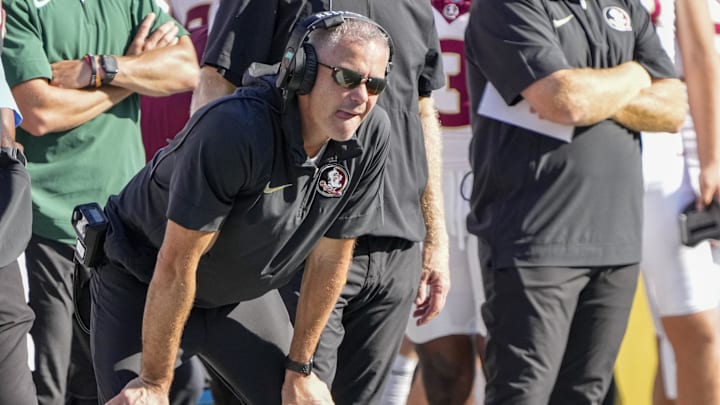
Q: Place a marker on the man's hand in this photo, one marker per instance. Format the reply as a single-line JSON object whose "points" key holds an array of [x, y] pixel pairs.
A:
{"points": [[70, 74], [709, 186], [75, 74], [165, 35], [137, 392], [300, 390], [434, 284]]}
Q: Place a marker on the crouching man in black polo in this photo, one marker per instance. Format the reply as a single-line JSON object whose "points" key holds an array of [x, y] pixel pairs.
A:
{"points": [[286, 170]]}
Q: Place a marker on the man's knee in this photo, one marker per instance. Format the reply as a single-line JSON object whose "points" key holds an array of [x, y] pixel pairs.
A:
{"points": [[448, 366], [693, 333]]}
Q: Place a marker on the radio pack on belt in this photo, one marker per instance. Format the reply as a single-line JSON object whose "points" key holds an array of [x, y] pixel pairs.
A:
{"points": [[697, 226], [90, 225]]}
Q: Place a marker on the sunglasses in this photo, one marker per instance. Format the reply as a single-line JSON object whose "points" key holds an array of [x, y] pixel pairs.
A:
{"points": [[349, 79]]}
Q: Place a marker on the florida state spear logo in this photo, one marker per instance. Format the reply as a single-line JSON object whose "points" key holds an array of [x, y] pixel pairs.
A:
{"points": [[333, 180]]}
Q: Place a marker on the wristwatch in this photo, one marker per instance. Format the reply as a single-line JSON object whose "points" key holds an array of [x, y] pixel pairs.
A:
{"points": [[298, 367], [110, 67]]}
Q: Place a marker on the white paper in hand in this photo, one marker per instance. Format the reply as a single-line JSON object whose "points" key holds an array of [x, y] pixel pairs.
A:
{"points": [[492, 105]]}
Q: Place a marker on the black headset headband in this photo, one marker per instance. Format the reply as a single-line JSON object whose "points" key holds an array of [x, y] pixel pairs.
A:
{"points": [[292, 66]]}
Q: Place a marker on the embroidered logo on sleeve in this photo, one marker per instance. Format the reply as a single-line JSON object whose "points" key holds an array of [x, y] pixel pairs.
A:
{"points": [[333, 180], [617, 18]]}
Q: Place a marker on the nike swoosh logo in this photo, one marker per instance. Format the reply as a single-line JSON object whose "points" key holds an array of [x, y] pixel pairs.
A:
{"points": [[270, 190], [559, 23], [40, 3]]}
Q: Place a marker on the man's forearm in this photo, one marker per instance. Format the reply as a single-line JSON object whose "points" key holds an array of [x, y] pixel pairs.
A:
{"points": [[160, 71], [432, 202], [48, 108], [324, 277], [169, 300], [586, 96], [168, 305], [659, 108], [212, 86]]}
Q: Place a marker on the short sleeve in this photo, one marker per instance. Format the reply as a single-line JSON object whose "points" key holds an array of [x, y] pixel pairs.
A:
{"points": [[432, 76], [23, 56], [6, 98], [649, 51], [267, 22], [513, 44], [213, 165]]}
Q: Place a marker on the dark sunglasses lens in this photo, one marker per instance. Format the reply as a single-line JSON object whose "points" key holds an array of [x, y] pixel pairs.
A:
{"points": [[347, 78], [375, 85], [350, 79]]}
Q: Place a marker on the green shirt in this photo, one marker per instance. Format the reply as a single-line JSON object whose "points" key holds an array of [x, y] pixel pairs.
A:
{"points": [[96, 159]]}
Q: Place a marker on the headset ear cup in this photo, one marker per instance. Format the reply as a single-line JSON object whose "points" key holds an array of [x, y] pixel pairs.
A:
{"points": [[310, 72]]}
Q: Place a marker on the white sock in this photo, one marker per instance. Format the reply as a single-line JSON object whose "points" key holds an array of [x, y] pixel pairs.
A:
{"points": [[399, 381]]}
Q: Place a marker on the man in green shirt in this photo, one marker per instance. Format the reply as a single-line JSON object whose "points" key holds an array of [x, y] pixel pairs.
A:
{"points": [[76, 69]]}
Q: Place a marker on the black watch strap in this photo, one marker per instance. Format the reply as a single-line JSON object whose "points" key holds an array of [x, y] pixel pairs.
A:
{"points": [[298, 367], [110, 67]]}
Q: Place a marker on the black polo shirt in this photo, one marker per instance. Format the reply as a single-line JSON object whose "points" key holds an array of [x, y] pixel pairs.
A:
{"points": [[239, 168], [417, 70], [538, 201]]}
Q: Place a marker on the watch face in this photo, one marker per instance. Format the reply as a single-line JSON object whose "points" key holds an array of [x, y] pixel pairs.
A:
{"points": [[109, 64]]}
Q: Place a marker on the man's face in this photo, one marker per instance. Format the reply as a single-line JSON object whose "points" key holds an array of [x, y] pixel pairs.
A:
{"points": [[331, 111]]}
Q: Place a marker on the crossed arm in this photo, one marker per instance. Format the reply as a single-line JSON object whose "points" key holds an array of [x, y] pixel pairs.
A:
{"points": [[65, 103], [624, 93]]}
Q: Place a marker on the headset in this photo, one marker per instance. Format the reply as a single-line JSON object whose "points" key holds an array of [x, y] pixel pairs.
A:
{"points": [[298, 67]]}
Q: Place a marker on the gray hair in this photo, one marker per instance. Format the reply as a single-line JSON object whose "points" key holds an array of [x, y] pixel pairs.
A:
{"points": [[351, 31]]}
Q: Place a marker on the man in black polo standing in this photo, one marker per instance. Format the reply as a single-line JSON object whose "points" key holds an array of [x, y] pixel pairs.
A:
{"points": [[559, 91]]}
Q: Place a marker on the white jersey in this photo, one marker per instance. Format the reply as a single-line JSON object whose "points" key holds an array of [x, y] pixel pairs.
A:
{"points": [[452, 101], [662, 14], [715, 17]]}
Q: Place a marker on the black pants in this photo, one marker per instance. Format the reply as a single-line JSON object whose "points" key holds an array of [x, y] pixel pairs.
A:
{"points": [[243, 344], [364, 332], [16, 318], [63, 369], [554, 332]]}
